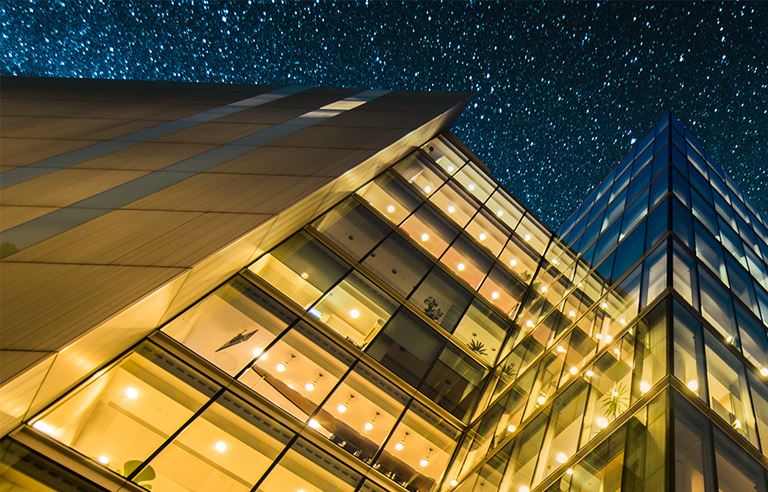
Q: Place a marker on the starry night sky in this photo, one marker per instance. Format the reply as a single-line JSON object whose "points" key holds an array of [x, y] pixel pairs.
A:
{"points": [[561, 88]]}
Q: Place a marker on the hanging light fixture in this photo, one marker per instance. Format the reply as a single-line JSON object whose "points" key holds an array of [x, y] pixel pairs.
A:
{"points": [[343, 407], [310, 386], [425, 460], [283, 366], [400, 445], [368, 426]]}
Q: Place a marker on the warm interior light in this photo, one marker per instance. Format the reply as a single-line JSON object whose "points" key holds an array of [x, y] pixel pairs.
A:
{"points": [[602, 422], [220, 446], [103, 459], [342, 407], [427, 189], [644, 386], [573, 370], [737, 424], [454, 483], [390, 208], [622, 321], [527, 237], [499, 213], [131, 393], [451, 209], [569, 471], [512, 262], [511, 428], [460, 267], [524, 488], [309, 386], [693, 385], [281, 367], [257, 351], [471, 187], [543, 289], [304, 275], [482, 236], [399, 446], [560, 349], [314, 424], [354, 313], [561, 457], [494, 295], [607, 338], [729, 339], [541, 399], [571, 313], [43, 427], [589, 373], [450, 168], [424, 462], [603, 304], [368, 426], [424, 236], [764, 372], [529, 323]]}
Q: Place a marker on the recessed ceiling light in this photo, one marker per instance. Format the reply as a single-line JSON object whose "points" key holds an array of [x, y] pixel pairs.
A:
{"points": [[131, 393], [220, 446]]}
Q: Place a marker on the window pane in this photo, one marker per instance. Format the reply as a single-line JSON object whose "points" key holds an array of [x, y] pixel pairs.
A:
{"points": [[301, 268], [441, 298], [503, 290], [390, 197], [736, 472], [353, 227], [687, 347], [138, 403], [454, 203], [407, 347], [355, 309], [298, 371], [445, 155], [475, 182], [418, 171], [467, 262], [489, 233], [232, 326], [454, 382], [306, 467], [430, 230], [482, 331], [228, 447], [717, 307], [398, 263]]}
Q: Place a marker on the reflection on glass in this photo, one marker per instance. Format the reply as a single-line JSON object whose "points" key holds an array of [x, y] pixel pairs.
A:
{"points": [[441, 298], [467, 262], [454, 203], [138, 403], [390, 197], [353, 227], [482, 331], [418, 171], [299, 371], [398, 263], [232, 326], [445, 155], [305, 467], [429, 230], [301, 268], [354, 308], [228, 448]]}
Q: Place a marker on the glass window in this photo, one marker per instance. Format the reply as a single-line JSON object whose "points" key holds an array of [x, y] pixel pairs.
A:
{"points": [[741, 284], [710, 251], [533, 234], [232, 326], [503, 290], [727, 385], [717, 307], [504, 208], [353, 227], [420, 173], [684, 276], [445, 155], [488, 232], [355, 309], [390, 197], [306, 467], [467, 262], [24, 470], [454, 203], [654, 275], [398, 263], [138, 403], [482, 331], [441, 298], [301, 268], [475, 181], [753, 338], [454, 382], [520, 260], [431, 231], [228, 447], [692, 448], [360, 413], [524, 455], [407, 347], [688, 365], [298, 371], [419, 449], [629, 251], [736, 471], [760, 399]]}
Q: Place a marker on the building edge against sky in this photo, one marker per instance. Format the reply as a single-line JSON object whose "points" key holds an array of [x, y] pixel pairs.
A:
{"points": [[414, 328]]}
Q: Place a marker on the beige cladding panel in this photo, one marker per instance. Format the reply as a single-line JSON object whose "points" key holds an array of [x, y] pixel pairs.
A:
{"points": [[131, 269], [23, 151]]}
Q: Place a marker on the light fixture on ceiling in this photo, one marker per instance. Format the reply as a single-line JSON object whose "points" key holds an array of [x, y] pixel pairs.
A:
{"points": [[512, 262], [427, 189], [425, 460], [131, 393], [644, 386], [390, 208], [310, 386], [354, 313], [220, 446], [495, 295], [343, 407], [561, 457], [283, 366], [103, 459], [693, 385], [368, 426], [482, 236], [460, 267], [400, 445], [424, 237], [451, 209]]}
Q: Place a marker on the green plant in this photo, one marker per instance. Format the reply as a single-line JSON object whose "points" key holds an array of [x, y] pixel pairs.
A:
{"points": [[477, 347], [508, 370], [146, 475], [432, 309], [615, 401]]}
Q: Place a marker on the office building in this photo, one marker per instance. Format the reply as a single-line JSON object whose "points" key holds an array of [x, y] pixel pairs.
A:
{"points": [[276, 288]]}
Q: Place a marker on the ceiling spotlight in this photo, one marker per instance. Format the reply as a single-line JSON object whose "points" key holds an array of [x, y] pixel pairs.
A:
{"points": [[511, 428], [424, 236], [354, 313], [454, 482], [560, 349], [451, 209], [571, 313], [764, 372], [390, 208], [494, 295], [220, 446], [561, 457], [482, 236], [368, 426], [343, 407], [257, 351], [427, 189], [131, 393], [400, 445], [542, 398], [527, 237], [103, 459], [283, 366], [499, 213], [589, 373], [425, 460], [450, 168], [304, 275], [471, 187], [603, 304], [693, 385], [569, 471], [460, 267], [512, 262], [310, 386], [601, 422], [644, 386], [573, 370], [314, 424], [524, 488]]}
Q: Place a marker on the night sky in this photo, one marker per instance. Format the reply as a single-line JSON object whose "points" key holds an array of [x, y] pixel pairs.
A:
{"points": [[561, 89]]}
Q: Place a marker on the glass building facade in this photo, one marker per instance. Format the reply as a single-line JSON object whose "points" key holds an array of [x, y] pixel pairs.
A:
{"points": [[429, 333]]}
